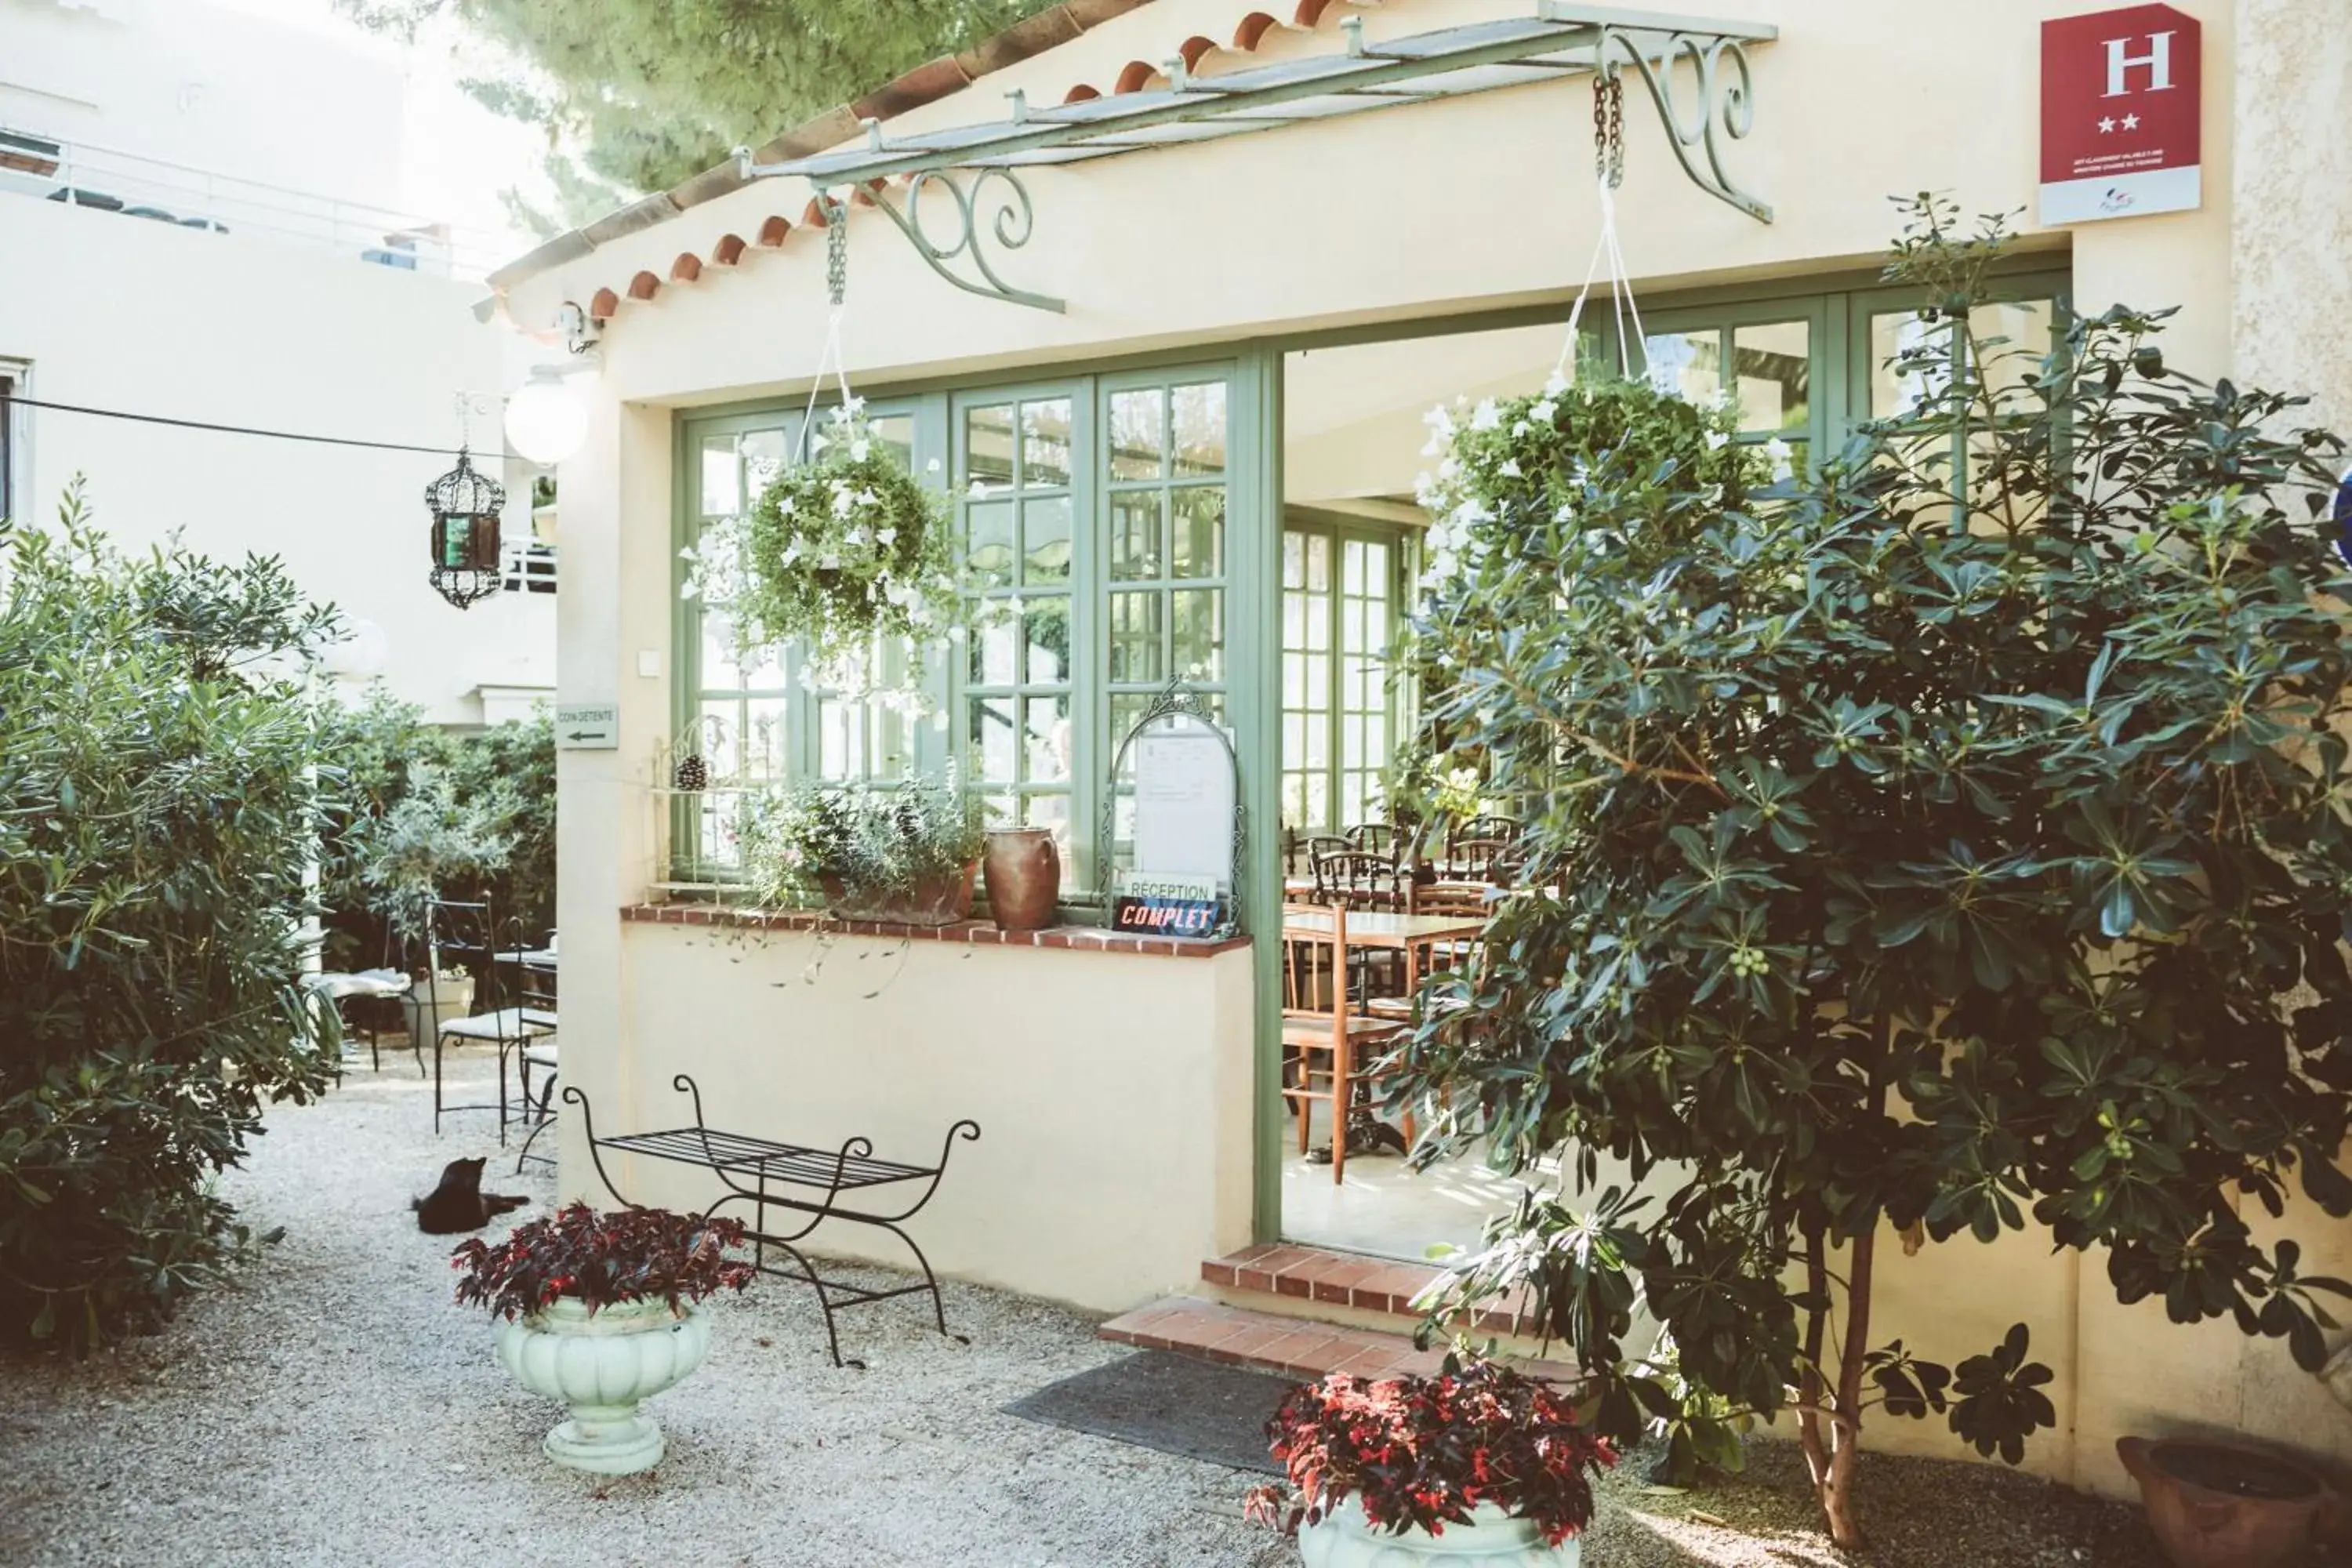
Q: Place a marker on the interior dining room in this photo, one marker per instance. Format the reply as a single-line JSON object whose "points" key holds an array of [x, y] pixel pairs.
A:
{"points": [[1380, 890]]}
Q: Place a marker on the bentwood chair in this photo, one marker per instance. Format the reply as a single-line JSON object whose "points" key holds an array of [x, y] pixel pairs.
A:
{"points": [[1325, 1041], [467, 932]]}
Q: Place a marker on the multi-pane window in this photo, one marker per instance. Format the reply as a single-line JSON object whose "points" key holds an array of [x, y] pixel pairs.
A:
{"points": [[1764, 369], [749, 715], [1166, 497], [9, 477], [1339, 607], [1018, 483]]}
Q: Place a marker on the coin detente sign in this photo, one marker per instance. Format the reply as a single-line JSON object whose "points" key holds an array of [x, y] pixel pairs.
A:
{"points": [[2120, 93]]}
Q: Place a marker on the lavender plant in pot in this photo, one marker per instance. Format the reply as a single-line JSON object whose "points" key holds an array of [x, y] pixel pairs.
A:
{"points": [[598, 1310]]}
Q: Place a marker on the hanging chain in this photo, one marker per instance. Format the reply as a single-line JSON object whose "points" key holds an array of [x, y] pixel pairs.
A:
{"points": [[1609, 128], [836, 249]]}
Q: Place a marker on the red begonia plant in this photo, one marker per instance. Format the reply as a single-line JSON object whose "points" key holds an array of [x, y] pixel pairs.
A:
{"points": [[1422, 1452], [603, 1259]]}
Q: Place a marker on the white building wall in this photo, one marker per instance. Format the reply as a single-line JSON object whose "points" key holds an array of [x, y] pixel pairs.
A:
{"points": [[120, 314], [208, 88]]}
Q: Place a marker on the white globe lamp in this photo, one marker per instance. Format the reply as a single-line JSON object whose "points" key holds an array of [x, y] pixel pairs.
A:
{"points": [[547, 422]]}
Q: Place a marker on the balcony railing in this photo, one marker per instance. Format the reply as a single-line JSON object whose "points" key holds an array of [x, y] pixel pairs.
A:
{"points": [[158, 191]]}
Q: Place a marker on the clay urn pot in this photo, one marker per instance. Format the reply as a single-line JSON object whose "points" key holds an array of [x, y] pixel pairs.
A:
{"points": [[2214, 1506], [1023, 873]]}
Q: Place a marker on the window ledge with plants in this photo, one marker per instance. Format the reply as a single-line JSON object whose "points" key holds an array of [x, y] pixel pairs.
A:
{"points": [[974, 933]]}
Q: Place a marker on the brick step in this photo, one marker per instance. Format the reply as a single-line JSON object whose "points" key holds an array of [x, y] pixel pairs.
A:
{"points": [[1293, 1347], [1292, 1280]]}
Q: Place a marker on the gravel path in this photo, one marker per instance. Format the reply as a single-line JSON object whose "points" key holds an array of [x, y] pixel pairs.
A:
{"points": [[334, 1407]]}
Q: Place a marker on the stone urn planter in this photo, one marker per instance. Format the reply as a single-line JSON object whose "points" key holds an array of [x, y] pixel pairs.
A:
{"points": [[933, 901], [602, 1364], [1494, 1539], [598, 1310], [2214, 1506], [1025, 877], [431, 1003]]}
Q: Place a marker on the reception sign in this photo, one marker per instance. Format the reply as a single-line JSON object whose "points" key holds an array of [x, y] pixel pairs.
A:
{"points": [[2120, 93]]}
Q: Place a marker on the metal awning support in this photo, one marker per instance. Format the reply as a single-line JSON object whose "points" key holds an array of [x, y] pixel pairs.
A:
{"points": [[1562, 39]]}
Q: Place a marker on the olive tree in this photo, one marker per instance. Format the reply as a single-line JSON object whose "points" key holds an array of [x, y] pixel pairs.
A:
{"points": [[1954, 840]]}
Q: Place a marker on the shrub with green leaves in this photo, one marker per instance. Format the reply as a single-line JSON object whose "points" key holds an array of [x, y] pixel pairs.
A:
{"points": [[413, 807], [1957, 840], [156, 814]]}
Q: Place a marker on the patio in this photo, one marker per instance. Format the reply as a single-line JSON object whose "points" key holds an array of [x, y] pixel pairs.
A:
{"points": [[335, 1407]]}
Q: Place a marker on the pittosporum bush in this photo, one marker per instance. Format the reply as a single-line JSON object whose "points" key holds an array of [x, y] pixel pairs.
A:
{"points": [[1953, 840], [155, 818]]}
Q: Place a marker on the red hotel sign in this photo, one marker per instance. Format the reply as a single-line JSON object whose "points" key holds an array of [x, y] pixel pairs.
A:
{"points": [[2119, 111]]}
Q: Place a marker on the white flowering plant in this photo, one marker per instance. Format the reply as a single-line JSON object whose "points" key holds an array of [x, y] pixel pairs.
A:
{"points": [[1571, 476], [837, 551]]}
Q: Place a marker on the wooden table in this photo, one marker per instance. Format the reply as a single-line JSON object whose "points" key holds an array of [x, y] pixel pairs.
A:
{"points": [[1409, 934]]}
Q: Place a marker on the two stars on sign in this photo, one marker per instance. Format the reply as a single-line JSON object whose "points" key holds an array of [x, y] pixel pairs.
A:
{"points": [[2130, 122]]}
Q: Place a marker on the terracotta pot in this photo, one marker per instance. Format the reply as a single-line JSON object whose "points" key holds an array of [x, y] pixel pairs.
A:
{"points": [[2213, 1506], [1025, 877], [933, 901]]}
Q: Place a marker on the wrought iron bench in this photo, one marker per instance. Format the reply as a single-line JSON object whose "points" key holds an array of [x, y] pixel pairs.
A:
{"points": [[755, 1170]]}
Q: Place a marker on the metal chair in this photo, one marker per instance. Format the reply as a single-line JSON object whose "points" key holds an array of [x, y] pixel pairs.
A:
{"points": [[536, 996], [467, 932]]}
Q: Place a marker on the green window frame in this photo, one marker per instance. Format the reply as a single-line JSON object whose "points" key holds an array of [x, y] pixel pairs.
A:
{"points": [[1097, 512], [762, 723], [1345, 586]]}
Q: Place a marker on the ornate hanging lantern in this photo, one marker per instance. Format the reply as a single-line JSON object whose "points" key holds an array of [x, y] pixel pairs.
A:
{"points": [[465, 508]]}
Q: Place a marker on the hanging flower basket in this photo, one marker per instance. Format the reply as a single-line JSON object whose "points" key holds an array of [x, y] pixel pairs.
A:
{"points": [[841, 549]]}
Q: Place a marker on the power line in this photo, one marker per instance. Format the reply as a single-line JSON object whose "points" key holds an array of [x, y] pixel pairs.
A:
{"points": [[7, 399]]}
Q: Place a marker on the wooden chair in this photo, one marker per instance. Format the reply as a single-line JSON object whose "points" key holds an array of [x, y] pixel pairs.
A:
{"points": [[1318, 1021], [1360, 879], [1377, 839]]}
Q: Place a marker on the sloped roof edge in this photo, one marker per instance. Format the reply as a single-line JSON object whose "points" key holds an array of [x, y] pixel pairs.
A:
{"points": [[926, 84]]}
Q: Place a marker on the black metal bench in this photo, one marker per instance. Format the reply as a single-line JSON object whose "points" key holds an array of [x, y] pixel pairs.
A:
{"points": [[766, 1165]]}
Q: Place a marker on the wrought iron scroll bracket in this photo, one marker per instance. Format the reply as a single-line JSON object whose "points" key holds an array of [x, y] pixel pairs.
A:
{"points": [[988, 209], [1725, 104]]}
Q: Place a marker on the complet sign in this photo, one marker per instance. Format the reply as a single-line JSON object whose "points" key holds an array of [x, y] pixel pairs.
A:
{"points": [[1165, 906], [2120, 95]]}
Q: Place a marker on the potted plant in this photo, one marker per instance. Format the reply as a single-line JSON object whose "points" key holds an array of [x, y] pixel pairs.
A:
{"points": [[1479, 1462], [597, 1310], [908, 854], [841, 549]]}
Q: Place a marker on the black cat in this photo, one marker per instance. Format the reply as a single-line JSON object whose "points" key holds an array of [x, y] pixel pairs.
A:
{"points": [[1367, 1134], [458, 1202]]}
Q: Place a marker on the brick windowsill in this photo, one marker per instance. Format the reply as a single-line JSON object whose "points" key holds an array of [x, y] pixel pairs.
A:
{"points": [[972, 933]]}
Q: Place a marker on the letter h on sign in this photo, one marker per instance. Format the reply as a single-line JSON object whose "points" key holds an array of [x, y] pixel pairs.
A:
{"points": [[2158, 61]]}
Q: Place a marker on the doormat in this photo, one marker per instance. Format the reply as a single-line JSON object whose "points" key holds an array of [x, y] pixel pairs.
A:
{"points": [[1154, 1399]]}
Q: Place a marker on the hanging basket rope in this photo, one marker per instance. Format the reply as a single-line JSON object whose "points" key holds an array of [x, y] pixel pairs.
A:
{"points": [[1608, 169]]}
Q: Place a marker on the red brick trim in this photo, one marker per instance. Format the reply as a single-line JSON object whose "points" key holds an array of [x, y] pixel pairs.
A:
{"points": [[1295, 1347], [972, 933]]}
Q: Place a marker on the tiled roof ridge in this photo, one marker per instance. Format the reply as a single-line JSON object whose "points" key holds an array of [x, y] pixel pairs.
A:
{"points": [[926, 84]]}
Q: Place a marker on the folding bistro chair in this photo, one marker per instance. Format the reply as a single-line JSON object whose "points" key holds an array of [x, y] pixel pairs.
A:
{"points": [[467, 932], [536, 995]]}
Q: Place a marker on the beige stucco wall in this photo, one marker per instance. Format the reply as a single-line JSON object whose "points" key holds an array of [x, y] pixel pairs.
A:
{"points": [[1429, 211], [2291, 254], [1112, 1091]]}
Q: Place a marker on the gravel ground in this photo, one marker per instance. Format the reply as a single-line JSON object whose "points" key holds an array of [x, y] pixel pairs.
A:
{"points": [[334, 1406]]}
